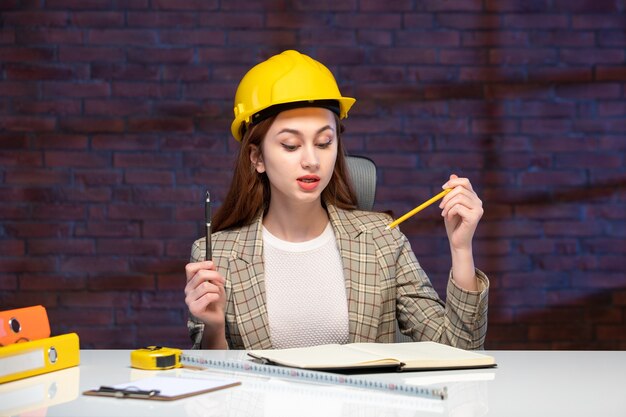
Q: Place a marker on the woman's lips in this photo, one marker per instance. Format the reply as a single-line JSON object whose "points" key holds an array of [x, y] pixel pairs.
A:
{"points": [[308, 182]]}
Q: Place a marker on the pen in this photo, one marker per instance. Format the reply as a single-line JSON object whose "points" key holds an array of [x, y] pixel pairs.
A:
{"points": [[128, 392], [207, 219], [418, 209]]}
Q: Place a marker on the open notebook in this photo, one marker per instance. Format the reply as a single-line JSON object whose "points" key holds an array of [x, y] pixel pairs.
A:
{"points": [[409, 356]]}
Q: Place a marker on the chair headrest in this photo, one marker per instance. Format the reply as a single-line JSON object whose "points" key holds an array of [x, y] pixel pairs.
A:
{"points": [[362, 171]]}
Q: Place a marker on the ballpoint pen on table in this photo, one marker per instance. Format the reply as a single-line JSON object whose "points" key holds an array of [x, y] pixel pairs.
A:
{"points": [[207, 218], [418, 209], [127, 392]]}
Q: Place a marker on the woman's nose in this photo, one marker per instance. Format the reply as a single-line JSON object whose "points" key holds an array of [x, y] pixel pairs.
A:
{"points": [[310, 159]]}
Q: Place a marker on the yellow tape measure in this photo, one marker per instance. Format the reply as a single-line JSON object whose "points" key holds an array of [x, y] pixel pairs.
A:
{"points": [[155, 357]]}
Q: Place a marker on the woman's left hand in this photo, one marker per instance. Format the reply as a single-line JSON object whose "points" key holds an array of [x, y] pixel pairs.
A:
{"points": [[461, 211]]}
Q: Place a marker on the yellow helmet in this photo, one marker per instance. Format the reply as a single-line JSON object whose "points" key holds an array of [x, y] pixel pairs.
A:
{"points": [[291, 79]]}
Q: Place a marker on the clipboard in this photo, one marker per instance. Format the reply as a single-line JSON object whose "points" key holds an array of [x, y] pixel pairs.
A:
{"points": [[163, 388]]}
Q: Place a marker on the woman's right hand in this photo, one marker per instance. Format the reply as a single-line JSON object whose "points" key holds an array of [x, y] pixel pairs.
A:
{"points": [[206, 299]]}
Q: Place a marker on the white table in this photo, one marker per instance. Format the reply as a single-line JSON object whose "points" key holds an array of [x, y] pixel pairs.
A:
{"points": [[525, 383]]}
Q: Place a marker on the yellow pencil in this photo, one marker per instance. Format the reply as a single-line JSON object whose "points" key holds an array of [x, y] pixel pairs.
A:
{"points": [[418, 209]]}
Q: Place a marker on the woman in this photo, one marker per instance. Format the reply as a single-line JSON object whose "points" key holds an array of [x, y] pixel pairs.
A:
{"points": [[294, 263]]}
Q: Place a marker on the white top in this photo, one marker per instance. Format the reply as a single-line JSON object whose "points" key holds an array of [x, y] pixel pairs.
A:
{"points": [[305, 291]]}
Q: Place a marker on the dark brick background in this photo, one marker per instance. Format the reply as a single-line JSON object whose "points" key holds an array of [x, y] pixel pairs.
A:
{"points": [[115, 115]]}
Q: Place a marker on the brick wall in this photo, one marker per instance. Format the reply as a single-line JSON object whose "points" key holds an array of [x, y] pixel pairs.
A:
{"points": [[115, 114]]}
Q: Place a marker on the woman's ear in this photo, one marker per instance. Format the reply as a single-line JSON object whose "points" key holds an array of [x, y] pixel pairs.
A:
{"points": [[256, 158]]}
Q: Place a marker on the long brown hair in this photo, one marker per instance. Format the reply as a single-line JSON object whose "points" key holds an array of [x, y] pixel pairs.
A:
{"points": [[249, 192]]}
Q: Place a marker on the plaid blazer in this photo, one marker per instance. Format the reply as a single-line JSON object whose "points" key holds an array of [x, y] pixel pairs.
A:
{"points": [[384, 284]]}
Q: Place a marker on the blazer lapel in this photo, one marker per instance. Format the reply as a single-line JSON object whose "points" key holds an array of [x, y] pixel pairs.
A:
{"points": [[248, 288], [361, 272]]}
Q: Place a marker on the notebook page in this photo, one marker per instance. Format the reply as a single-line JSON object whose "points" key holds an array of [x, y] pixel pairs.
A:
{"points": [[322, 356]]}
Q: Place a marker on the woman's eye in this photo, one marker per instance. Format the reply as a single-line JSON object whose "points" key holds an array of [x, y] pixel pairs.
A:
{"points": [[325, 144], [290, 148]]}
